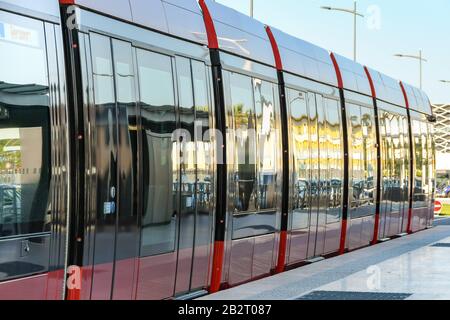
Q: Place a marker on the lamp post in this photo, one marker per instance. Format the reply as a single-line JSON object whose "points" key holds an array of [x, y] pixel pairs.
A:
{"points": [[355, 14], [251, 8], [418, 57]]}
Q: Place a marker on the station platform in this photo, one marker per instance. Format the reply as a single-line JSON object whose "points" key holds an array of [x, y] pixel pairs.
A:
{"points": [[414, 267]]}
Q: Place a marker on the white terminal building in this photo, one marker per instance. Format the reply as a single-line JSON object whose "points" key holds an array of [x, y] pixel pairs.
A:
{"points": [[442, 138]]}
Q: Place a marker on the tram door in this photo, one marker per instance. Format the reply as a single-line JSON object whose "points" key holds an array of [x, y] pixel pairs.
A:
{"points": [[319, 175], [111, 245], [176, 219], [148, 178]]}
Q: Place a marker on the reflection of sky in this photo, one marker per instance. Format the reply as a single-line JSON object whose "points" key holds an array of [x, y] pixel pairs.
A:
{"points": [[8, 134], [22, 65], [405, 27]]}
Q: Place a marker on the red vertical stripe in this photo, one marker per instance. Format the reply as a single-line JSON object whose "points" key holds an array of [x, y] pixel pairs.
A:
{"points": [[377, 214], [372, 86], [343, 237], [282, 254], [409, 228], [213, 42], [216, 278], [404, 95], [376, 229], [338, 71], [276, 50], [341, 86], [283, 234]]}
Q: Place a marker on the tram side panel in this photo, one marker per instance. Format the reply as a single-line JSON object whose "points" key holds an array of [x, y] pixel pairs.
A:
{"points": [[33, 160], [316, 177], [362, 171], [160, 236], [254, 176]]}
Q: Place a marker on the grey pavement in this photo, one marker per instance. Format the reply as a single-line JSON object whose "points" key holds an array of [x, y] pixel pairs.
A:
{"points": [[408, 265]]}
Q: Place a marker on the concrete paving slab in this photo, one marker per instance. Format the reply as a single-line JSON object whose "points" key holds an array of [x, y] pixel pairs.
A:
{"points": [[404, 265]]}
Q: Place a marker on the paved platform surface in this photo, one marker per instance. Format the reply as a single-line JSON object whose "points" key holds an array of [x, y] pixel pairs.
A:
{"points": [[409, 267]]}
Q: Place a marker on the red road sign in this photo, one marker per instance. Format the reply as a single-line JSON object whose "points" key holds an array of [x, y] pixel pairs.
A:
{"points": [[437, 207]]}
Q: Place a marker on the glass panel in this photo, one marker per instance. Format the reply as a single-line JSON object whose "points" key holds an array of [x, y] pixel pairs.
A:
{"points": [[205, 176], [156, 88], [386, 161], [432, 161], [245, 142], [24, 127], [425, 157], [315, 157], [127, 111], [430, 173], [406, 164], [103, 119], [266, 121], [396, 179], [419, 183], [356, 190], [324, 179], [370, 161], [300, 145], [363, 163], [335, 160], [187, 152], [395, 160], [203, 144]]}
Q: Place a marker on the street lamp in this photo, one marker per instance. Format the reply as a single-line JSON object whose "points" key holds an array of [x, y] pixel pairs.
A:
{"points": [[355, 14], [419, 57], [251, 8]]}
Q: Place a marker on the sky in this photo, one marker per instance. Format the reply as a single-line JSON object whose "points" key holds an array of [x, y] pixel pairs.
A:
{"points": [[389, 27]]}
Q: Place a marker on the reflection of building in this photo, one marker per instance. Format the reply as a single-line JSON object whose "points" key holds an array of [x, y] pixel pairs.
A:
{"points": [[442, 138], [442, 128]]}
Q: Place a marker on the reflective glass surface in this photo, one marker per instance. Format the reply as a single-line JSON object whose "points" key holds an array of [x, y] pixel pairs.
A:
{"points": [[363, 162], [156, 87], [24, 127]]}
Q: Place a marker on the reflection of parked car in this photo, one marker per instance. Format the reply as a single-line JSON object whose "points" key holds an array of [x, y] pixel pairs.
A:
{"points": [[358, 190], [301, 193], [444, 192], [10, 204]]}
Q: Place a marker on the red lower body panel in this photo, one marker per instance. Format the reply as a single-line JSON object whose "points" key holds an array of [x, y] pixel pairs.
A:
{"points": [[47, 286]]}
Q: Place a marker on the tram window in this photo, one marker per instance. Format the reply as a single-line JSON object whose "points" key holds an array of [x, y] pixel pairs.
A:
{"points": [[300, 144], [397, 185], [419, 184], [356, 147], [370, 157], [432, 161], [187, 147], [103, 70], [424, 162], [24, 127], [334, 142], [387, 160], [156, 87], [203, 145], [266, 121], [127, 112], [245, 143], [363, 163], [124, 73], [406, 162]]}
